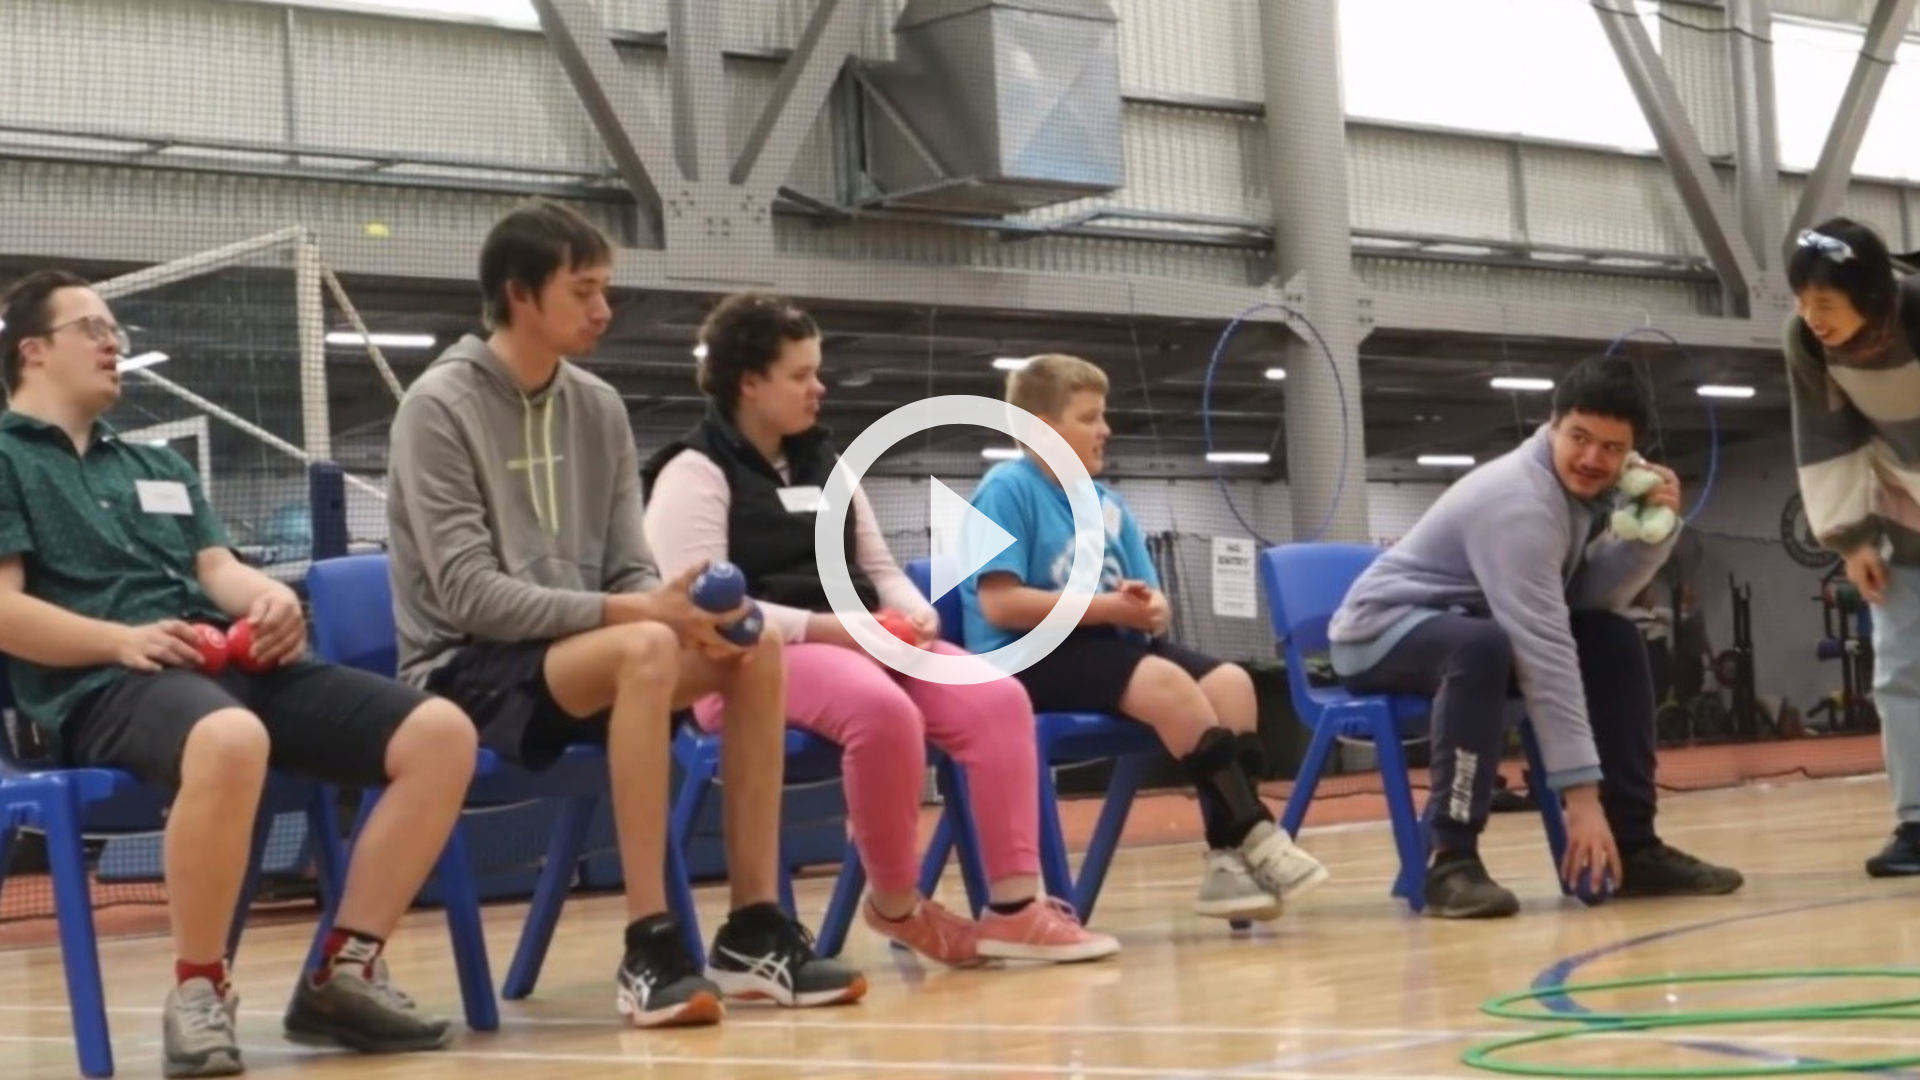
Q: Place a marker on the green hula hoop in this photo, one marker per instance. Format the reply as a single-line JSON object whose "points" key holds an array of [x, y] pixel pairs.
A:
{"points": [[1483, 1056], [1504, 1006]]}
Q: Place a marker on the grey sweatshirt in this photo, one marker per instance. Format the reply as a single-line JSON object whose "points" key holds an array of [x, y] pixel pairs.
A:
{"points": [[511, 516], [1507, 540]]}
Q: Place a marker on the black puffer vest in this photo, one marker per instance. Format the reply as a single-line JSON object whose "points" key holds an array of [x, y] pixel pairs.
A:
{"points": [[771, 545]]}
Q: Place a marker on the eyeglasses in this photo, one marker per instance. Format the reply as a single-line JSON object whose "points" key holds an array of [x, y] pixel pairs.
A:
{"points": [[1838, 250], [100, 331]]}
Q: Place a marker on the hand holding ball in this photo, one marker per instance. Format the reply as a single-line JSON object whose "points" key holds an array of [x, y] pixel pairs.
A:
{"points": [[1636, 520], [235, 647], [893, 622], [721, 587], [240, 648]]}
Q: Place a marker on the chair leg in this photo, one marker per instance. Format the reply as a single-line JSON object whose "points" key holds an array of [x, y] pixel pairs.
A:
{"points": [[1127, 772], [1410, 883], [1408, 838], [846, 898], [1055, 871], [784, 882], [961, 827], [680, 900], [933, 864], [695, 778], [79, 949], [369, 798], [564, 846], [1552, 815], [250, 884], [7, 833], [329, 850], [461, 899], [1308, 778]]}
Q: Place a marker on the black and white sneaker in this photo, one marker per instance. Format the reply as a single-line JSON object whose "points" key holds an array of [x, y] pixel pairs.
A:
{"points": [[659, 984], [762, 954]]}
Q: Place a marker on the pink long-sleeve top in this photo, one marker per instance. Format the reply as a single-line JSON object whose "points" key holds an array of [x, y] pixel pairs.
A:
{"points": [[686, 521]]}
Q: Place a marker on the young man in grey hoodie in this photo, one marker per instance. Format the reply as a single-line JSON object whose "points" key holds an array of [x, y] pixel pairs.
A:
{"points": [[1511, 575], [524, 591]]}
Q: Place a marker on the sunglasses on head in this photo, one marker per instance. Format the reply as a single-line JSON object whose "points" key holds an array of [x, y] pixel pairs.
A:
{"points": [[1838, 250]]}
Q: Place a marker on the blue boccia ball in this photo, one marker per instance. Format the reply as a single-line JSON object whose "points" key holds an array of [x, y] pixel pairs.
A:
{"points": [[720, 587], [745, 630]]}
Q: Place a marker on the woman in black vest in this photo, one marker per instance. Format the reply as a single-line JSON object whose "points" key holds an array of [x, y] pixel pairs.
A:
{"points": [[744, 486]]}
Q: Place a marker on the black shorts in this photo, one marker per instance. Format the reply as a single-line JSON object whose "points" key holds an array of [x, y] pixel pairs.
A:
{"points": [[503, 687], [325, 722], [1090, 670]]}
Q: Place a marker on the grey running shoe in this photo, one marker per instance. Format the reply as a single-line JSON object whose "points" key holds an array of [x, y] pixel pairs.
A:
{"points": [[1280, 866], [1228, 890], [658, 984], [197, 1032], [361, 1013]]}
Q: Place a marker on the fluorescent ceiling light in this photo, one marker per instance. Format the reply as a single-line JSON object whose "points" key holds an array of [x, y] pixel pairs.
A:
{"points": [[144, 360], [1239, 457], [1447, 461], [1516, 382], [385, 341], [1001, 453], [1725, 391], [1276, 373], [1011, 363]]}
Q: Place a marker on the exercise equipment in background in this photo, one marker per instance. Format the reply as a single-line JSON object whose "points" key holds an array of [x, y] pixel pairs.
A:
{"points": [[1846, 623]]}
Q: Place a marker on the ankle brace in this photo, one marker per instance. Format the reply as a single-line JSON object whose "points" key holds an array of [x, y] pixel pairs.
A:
{"points": [[1214, 770]]}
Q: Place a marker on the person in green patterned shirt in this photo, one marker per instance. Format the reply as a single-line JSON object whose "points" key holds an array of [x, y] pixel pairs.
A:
{"points": [[109, 553]]}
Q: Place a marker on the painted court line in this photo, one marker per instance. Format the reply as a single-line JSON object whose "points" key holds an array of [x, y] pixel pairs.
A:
{"points": [[870, 1065], [1437, 1034]]}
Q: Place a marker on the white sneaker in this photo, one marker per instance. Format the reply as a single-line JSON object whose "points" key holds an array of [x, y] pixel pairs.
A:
{"points": [[1280, 866], [1228, 891]]}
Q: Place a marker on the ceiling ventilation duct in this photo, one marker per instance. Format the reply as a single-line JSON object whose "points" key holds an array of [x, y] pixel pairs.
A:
{"points": [[994, 107]]}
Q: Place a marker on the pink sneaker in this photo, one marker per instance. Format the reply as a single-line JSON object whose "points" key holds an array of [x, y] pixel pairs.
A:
{"points": [[932, 931], [1043, 930]]}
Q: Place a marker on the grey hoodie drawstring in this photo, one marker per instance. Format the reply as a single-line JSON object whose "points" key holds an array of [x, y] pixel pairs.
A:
{"points": [[548, 518]]}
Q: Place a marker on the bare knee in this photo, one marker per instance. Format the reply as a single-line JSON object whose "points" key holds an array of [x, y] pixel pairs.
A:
{"points": [[1162, 693], [226, 749], [1230, 689], [436, 738], [648, 650]]}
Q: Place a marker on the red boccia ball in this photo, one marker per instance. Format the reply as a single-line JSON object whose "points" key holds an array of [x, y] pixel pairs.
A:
{"points": [[213, 649], [240, 648], [898, 625]]}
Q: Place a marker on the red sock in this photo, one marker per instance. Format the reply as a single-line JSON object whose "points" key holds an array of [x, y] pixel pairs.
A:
{"points": [[347, 947], [215, 973]]}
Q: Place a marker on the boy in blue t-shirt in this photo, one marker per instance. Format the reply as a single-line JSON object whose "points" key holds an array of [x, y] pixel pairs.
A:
{"points": [[1116, 661]]}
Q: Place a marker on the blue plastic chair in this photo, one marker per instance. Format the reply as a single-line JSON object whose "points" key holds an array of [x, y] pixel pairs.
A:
{"points": [[1063, 739], [1305, 584], [62, 803], [352, 604]]}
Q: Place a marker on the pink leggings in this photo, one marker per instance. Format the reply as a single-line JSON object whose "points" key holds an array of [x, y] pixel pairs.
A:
{"points": [[882, 721]]}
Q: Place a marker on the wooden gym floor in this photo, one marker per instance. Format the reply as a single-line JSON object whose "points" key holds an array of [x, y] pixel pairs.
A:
{"points": [[1347, 984]]}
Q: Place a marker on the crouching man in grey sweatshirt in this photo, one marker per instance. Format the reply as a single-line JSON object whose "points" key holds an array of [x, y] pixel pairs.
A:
{"points": [[1511, 577]]}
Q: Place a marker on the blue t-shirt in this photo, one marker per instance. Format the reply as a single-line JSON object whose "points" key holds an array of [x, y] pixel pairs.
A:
{"points": [[1033, 508]]}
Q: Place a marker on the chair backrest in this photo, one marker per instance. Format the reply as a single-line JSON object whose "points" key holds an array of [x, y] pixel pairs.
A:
{"points": [[948, 607], [352, 602], [1305, 584]]}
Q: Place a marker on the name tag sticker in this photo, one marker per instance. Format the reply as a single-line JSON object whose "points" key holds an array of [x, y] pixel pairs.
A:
{"points": [[800, 500], [164, 497]]}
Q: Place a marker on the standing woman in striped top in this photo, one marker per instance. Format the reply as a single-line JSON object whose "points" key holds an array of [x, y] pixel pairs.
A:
{"points": [[1855, 385]]}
